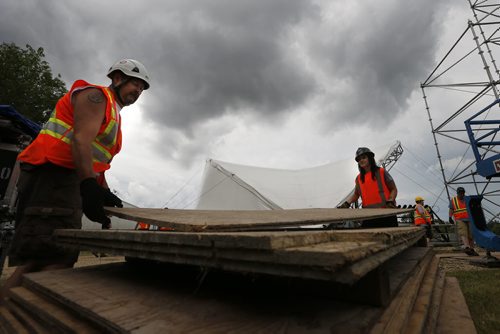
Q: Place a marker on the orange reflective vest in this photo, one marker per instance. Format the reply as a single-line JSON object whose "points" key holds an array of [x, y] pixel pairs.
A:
{"points": [[374, 193], [422, 219], [142, 226], [53, 143], [459, 209]]}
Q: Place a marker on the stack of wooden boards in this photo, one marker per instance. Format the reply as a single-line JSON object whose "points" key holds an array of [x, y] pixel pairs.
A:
{"points": [[241, 281], [342, 256]]}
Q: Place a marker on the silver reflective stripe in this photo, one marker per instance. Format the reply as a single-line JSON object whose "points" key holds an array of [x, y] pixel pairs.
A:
{"points": [[109, 139], [100, 154], [109, 135], [56, 128], [101, 146]]}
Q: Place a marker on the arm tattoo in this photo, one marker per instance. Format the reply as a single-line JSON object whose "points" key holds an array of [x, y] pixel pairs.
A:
{"points": [[96, 97]]}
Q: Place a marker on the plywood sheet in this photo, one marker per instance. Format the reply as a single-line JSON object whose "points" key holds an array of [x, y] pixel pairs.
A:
{"points": [[342, 261], [49, 313], [28, 321], [331, 254], [9, 323], [454, 314], [154, 299], [396, 315], [268, 240], [121, 299], [224, 220]]}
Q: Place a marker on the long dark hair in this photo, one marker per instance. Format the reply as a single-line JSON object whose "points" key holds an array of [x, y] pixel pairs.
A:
{"points": [[373, 168]]}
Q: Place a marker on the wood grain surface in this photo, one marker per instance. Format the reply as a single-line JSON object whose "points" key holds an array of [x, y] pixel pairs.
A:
{"points": [[205, 220]]}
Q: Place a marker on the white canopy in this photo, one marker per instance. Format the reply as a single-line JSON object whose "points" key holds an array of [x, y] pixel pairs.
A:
{"points": [[228, 186]]}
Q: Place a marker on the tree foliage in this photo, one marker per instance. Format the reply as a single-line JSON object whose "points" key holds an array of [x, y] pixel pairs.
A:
{"points": [[26, 82]]}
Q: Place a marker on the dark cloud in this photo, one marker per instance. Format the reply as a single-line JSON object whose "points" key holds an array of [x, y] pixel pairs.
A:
{"points": [[378, 60], [227, 58], [212, 58], [206, 58]]}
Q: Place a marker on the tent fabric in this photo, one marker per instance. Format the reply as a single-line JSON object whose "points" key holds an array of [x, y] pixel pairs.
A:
{"points": [[229, 186]]}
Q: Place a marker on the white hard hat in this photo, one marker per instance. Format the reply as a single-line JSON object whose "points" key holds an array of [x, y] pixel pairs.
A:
{"points": [[132, 68]]}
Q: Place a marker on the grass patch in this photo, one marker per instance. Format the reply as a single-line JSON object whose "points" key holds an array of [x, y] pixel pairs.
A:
{"points": [[482, 293]]}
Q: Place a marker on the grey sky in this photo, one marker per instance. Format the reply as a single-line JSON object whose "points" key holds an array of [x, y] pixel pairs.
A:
{"points": [[208, 58], [274, 83]]}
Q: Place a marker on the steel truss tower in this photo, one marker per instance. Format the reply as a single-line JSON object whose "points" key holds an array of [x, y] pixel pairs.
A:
{"points": [[464, 82]]}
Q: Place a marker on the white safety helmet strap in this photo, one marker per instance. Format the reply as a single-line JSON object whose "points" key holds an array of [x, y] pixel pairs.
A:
{"points": [[131, 68]]}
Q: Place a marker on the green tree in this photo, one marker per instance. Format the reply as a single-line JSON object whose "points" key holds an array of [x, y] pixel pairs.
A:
{"points": [[26, 82]]}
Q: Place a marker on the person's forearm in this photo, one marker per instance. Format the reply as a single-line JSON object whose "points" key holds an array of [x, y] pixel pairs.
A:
{"points": [[353, 198], [392, 195], [82, 157]]}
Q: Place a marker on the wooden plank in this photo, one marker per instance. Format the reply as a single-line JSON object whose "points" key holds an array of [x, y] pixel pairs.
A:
{"points": [[421, 308], [53, 315], [31, 324], [153, 300], [395, 316], [402, 266], [354, 272], [269, 240], [11, 324], [277, 269], [322, 261], [435, 305], [156, 300], [454, 315], [206, 220], [329, 254]]}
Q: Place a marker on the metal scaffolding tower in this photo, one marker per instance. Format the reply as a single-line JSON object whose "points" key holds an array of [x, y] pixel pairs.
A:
{"points": [[463, 86]]}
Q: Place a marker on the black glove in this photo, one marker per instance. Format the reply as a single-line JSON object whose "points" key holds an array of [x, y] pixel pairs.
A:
{"points": [[93, 202], [390, 204], [111, 199], [106, 226], [450, 220], [344, 205]]}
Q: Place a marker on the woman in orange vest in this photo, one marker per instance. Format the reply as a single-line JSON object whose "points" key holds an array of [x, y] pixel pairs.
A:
{"points": [[62, 170], [422, 217], [458, 212], [376, 188]]}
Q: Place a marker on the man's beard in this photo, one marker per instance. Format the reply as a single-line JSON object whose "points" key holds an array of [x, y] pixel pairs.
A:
{"points": [[130, 99]]}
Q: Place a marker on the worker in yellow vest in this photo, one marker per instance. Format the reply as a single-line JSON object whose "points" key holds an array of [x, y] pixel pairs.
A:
{"points": [[458, 213], [422, 217]]}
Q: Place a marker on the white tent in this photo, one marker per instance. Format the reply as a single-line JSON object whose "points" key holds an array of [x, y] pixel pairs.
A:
{"points": [[228, 186]]}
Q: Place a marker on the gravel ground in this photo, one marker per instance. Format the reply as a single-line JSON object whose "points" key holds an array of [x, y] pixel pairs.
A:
{"points": [[456, 260]]}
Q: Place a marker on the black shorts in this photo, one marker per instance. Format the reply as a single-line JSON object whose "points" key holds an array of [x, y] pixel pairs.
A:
{"points": [[428, 231], [48, 199]]}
